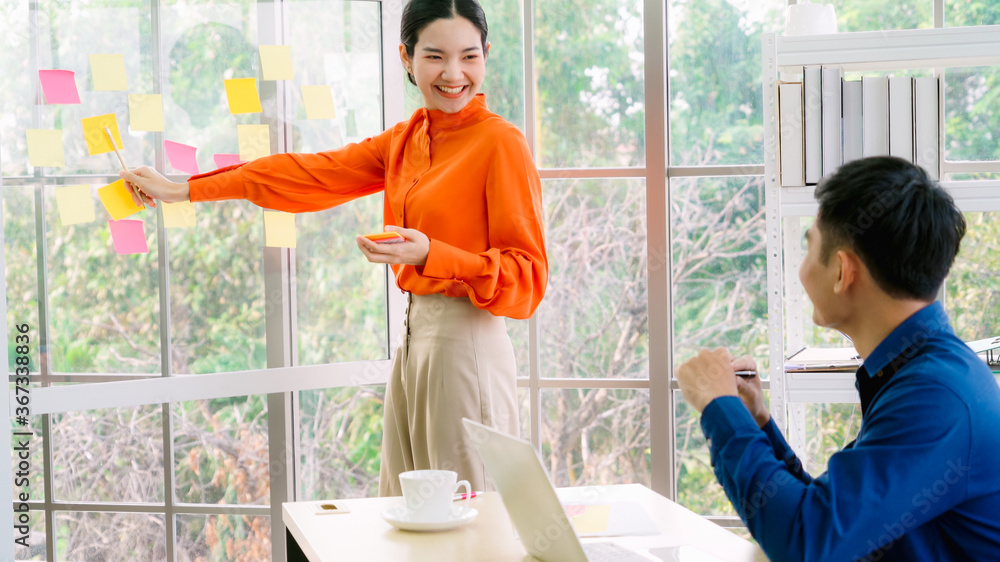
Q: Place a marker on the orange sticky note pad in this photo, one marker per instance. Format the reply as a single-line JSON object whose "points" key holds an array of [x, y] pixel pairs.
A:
{"points": [[242, 95], [118, 201], [385, 237], [97, 139]]}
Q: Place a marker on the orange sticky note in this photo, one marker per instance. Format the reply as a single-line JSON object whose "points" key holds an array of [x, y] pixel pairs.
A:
{"points": [[145, 112], [276, 62], [255, 141], [178, 215], [118, 201], [45, 148], [242, 95], [319, 102], [97, 139], [108, 73], [279, 229], [75, 204]]}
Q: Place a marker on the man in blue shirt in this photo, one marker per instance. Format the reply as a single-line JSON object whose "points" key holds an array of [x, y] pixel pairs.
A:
{"points": [[922, 479]]}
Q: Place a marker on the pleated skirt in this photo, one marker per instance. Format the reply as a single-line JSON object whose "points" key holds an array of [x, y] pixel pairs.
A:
{"points": [[455, 361]]}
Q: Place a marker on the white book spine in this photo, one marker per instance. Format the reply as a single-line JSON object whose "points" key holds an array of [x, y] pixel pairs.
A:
{"points": [[875, 115], [901, 117], [832, 121], [813, 95], [791, 134], [853, 122], [926, 135]]}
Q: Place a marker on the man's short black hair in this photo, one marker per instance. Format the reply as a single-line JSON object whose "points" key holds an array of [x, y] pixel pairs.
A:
{"points": [[903, 225]]}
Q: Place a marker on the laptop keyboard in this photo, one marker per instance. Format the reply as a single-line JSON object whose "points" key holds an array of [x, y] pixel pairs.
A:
{"points": [[611, 552]]}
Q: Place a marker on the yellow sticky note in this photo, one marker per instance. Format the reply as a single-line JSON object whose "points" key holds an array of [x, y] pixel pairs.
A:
{"points": [[319, 102], [145, 112], [255, 141], [75, 204], [242, 95], [97, 139], [276, 62], [591, 519], [108, 72], [45, 147], [178, 215], [279, 229], [118, 201]]}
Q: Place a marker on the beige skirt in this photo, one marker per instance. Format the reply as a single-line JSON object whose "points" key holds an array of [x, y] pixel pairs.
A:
{"points": [[456, 361]]}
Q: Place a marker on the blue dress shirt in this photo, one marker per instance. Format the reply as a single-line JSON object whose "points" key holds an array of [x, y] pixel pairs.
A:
{"points": [[921, 482]]}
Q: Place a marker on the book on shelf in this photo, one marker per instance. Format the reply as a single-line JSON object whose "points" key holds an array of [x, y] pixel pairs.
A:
{"points": [[832, 118], [823, 359], [853, 136], [790, 134], [875, 115], [925, 125], [901, 117], [812, 92]]}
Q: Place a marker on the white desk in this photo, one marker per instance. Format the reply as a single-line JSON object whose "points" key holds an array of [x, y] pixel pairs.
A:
{"points": [[363, 535]]}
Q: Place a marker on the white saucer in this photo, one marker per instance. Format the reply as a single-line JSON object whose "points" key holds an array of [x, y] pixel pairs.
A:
{"points": [[401, 518]]}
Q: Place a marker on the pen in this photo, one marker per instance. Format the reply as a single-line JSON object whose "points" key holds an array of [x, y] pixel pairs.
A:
{"points": [[746, 374], [463, 496], [114, 145]]}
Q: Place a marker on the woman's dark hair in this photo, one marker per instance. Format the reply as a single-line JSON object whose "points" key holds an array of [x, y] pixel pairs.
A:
{"points": [[903, 225], [418, 14]]}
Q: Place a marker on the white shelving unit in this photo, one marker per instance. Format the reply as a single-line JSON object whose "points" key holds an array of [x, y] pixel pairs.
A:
{"points": [[933, 49]]}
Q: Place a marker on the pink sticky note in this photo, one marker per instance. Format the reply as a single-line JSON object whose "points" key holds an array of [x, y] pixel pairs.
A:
{"points": [[223, 160], [128, 237], [59, 86], [181, 156]]}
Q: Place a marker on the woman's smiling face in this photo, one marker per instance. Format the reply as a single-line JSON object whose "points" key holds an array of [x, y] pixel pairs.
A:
{"points": [[448, 63]]}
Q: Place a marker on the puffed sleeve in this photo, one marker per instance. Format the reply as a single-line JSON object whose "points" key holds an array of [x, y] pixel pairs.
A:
{"points": [[299, 182], [508, 279]]}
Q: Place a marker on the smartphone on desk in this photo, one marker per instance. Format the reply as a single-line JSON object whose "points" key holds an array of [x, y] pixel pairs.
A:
{"points": [[385, 237]]}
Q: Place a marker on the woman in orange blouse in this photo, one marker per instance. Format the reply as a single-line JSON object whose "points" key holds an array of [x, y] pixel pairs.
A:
{"points": [[462, 189]]}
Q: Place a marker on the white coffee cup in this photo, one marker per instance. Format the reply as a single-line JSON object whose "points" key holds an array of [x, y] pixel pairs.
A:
{"points": [[810, 19], [429, 494]]}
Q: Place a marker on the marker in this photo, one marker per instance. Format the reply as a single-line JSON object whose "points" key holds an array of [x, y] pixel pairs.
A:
{"points": [[464, 496], [746, 374], [111, 139]]}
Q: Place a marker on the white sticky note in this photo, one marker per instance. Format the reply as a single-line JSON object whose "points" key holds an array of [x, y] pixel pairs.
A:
{"points": [[145, 112], [179, 215], [45, 148], [279, 229], [276, 62], [319, 102], [108, 72], [75, 204], [254, 140]]}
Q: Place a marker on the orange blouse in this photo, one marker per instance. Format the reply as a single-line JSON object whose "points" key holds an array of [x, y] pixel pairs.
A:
{"points": [[466, 180]]}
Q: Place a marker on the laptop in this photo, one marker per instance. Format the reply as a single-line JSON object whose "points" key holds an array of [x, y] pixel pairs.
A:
{"points": [[531, 501]]}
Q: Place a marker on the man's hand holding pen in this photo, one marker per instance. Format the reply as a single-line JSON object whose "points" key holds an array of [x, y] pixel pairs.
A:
{"points": [[715, 373]]}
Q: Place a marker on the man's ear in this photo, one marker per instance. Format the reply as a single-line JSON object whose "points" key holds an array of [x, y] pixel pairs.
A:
{"points": [[849, 265]]}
